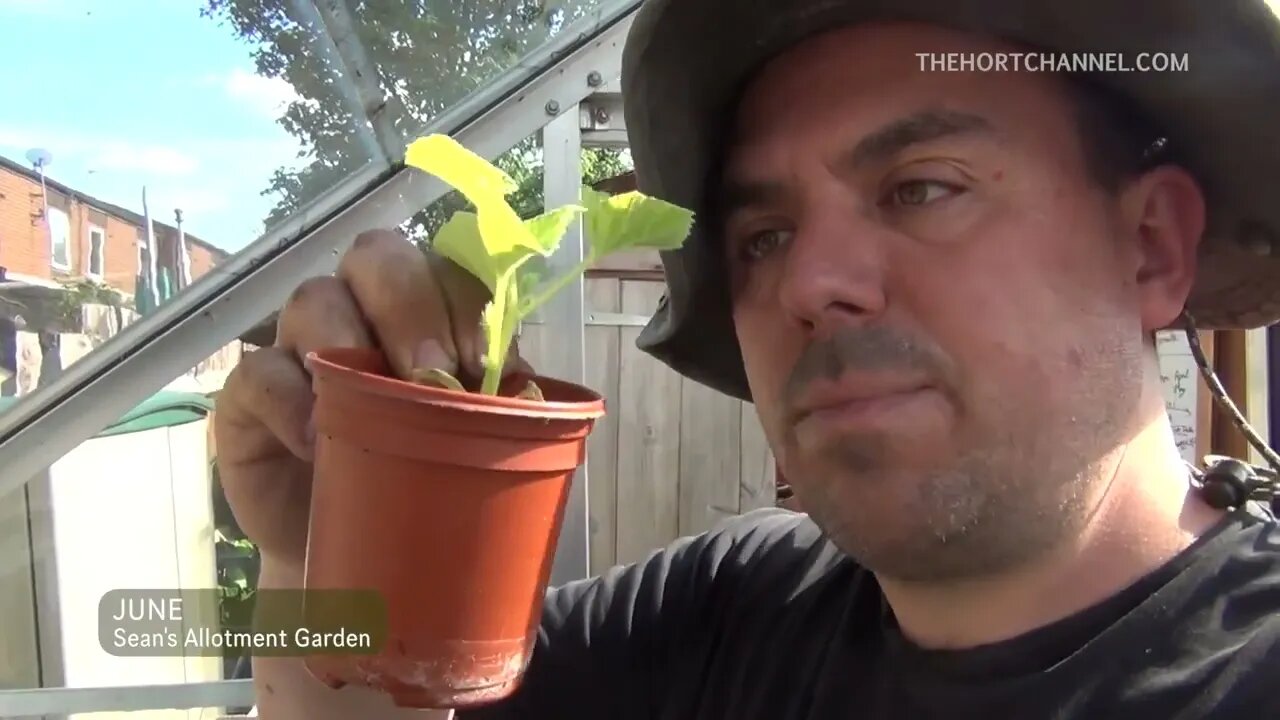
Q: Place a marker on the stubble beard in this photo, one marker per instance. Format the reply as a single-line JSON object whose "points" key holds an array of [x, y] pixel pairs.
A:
{"points": [[1031, 486], [977, 518]]}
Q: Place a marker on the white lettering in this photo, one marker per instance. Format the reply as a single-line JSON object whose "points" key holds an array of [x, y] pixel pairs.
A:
{"points": [[323, 640], [204, 637], [149, 609], [125, 639], [1111, 62]]}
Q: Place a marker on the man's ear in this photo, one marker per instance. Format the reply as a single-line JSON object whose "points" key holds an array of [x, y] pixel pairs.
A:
{"points": [[1164, 210]]}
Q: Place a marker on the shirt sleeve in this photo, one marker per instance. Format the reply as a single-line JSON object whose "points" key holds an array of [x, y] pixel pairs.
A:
{"points": [[607, 646]]}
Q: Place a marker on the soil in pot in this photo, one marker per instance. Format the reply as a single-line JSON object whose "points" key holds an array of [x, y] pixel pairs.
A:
{"points": [[449, 504]]}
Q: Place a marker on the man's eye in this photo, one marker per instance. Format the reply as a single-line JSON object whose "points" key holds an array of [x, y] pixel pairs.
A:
{"points": [[920, 192], [760, 244]]}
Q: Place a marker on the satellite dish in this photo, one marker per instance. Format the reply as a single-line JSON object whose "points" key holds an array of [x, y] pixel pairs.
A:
{"points": [[39, 158]]}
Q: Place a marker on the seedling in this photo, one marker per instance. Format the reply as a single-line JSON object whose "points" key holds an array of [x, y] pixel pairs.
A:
{"points": [[505, 252]]}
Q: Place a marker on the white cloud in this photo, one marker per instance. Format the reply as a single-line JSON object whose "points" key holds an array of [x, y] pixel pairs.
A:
{"points": [[102, 154], [150, 159], [39, 7], [217, 181], [263, 95], [207, 157], [55, 142], [194, 202]]}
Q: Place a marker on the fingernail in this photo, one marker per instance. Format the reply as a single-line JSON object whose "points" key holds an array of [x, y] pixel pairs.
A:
{"points": [[430, 354]]}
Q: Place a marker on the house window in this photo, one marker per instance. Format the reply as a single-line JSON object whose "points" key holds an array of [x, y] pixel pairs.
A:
{"points": [[59, 238], [96, 264]]}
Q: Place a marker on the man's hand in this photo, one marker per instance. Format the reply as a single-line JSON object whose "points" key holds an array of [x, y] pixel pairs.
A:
{"points": [[421, 311]]}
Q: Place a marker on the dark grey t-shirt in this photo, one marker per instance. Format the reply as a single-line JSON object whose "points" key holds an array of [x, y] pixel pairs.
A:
{"points": [[765, 619]]}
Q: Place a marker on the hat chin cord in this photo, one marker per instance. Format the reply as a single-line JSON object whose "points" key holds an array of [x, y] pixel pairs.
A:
{"points": [[1228, 483]]}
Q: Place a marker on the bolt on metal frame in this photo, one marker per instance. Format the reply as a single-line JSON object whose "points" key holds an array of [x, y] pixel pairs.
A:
{"points": [[227, 302]]}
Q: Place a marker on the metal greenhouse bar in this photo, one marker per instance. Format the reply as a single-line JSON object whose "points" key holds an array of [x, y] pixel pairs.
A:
{"points": [[566, 90]]}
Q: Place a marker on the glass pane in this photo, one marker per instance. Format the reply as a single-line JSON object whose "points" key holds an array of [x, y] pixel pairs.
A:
{"points": [[221, 120], [132, 507], [141, 505]]}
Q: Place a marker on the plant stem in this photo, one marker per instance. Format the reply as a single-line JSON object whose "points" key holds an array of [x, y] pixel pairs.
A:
{"points": [[528, 306], [492, 370], [505, 303], [511, 309], [492, 358]]}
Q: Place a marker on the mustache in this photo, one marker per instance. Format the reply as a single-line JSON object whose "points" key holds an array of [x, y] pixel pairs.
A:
{"points": [[865, 349]]}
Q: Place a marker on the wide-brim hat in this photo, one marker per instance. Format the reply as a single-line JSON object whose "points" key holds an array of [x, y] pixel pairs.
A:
{"points": [[686, 62]]}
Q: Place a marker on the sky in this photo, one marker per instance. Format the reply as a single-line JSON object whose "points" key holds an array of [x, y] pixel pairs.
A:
{"points": [[132, 93]]}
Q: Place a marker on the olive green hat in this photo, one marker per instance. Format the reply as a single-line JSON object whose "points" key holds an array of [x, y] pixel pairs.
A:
{"points": [[685, 62]]}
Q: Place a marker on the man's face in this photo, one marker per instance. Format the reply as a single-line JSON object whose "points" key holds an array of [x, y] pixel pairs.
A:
{"points": [[943, 316]]}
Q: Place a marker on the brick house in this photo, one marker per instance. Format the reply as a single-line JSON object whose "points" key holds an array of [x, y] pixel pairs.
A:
{"points": [[84, 238]]}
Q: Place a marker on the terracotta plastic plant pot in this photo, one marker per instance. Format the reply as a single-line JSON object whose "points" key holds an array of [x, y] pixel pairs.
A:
{"points": [[449, 504]]}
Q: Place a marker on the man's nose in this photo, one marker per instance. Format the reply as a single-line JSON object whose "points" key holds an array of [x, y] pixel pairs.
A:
{"points": [[834, 272]]}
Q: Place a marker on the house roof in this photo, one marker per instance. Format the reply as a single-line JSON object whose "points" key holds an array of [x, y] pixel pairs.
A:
{"points": [[106, 207]]}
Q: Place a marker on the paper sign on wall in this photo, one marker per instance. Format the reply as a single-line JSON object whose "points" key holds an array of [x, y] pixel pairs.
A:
{"points": [[1181, 379]]}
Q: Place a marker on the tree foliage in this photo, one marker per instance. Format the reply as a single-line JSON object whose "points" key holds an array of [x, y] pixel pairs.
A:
{"points": [[428, 56]]}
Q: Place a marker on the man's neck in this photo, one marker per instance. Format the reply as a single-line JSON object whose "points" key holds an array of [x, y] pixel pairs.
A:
{"points": [[1148, 515]]}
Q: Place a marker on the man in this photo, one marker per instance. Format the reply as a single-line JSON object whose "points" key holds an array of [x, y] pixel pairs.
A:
{"points": [[940, 290]]}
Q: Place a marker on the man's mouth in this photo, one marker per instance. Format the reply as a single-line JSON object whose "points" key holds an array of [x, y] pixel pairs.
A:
{"points": [[856, 400]]}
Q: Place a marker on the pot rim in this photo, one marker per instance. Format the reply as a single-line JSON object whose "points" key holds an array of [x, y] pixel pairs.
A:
{"points": [[329, 362]]}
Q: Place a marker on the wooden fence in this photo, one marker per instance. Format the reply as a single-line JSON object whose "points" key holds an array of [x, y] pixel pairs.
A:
{"points": [[672, 457]]}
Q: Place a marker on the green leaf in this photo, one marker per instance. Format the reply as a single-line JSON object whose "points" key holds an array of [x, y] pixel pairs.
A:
{"points": [[531, 276], [506, 253], [470, 174], [502, 230], [549, 227], [484, 184], [459, 240], [633, 220]]}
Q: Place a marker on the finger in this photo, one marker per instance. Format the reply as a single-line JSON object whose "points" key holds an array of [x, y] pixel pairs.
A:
{"points": [[261, 420], [265, 403], [465, 298], [398, 295], [321, 313]]}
